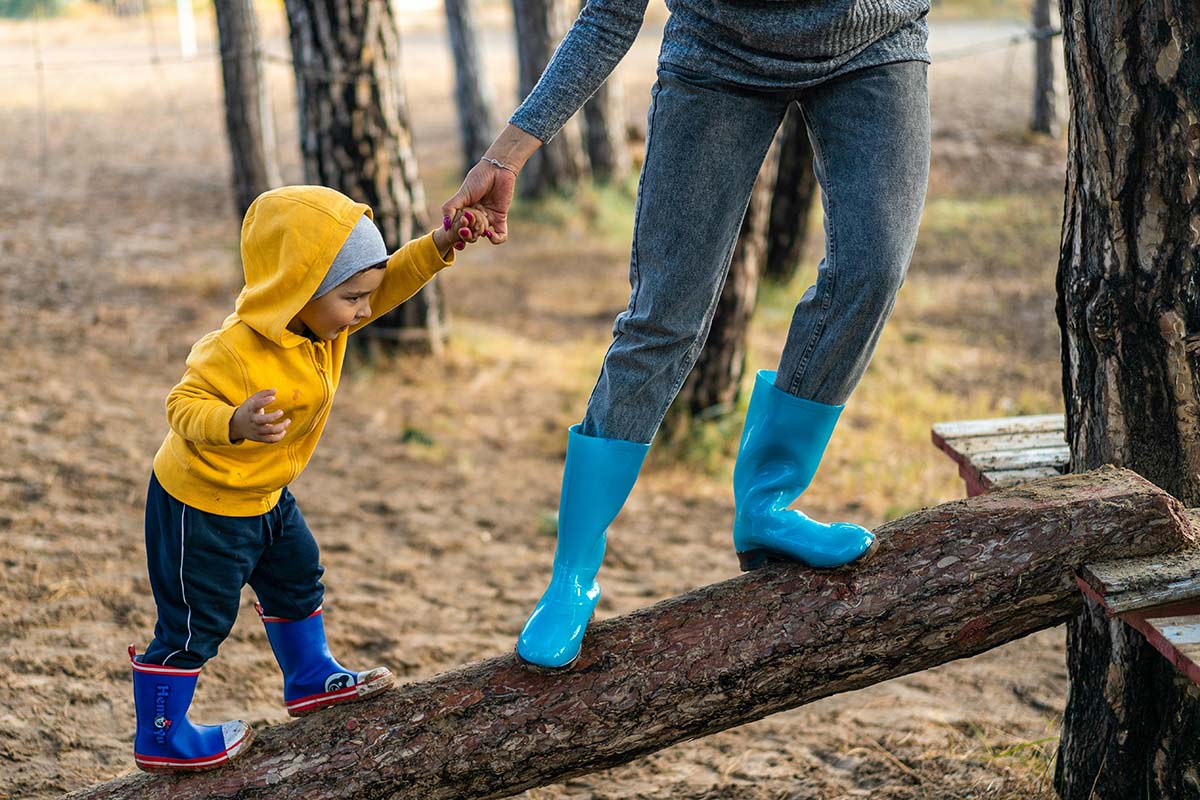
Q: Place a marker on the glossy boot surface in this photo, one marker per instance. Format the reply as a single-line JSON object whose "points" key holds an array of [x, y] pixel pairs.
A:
{"points": [[166, 740], [597, 478], [782, 445], [312, 678]]}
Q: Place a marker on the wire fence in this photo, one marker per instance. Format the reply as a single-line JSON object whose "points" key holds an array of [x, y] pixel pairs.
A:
{"points": [[156, 61]]}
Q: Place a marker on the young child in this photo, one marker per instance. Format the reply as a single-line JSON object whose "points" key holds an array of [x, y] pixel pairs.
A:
{"points": [[243, 423]]}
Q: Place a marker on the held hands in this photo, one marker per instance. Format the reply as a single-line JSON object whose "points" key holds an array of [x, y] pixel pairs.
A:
{"points": [[464, 228], [490, 188], [252, 421]]}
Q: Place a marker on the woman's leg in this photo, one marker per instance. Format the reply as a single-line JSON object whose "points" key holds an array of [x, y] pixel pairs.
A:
{"points": [[870, 135], [704, 146], [705, 143]]}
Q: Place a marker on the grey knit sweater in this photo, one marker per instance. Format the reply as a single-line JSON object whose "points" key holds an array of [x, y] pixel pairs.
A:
{"points": [[768, 44]]}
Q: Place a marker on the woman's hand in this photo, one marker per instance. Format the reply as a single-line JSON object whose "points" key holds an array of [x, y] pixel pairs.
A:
{"points": [[491, 187]]}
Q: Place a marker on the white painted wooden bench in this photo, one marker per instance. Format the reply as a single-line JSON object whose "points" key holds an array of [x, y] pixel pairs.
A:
{"points": [[1159, 596]]}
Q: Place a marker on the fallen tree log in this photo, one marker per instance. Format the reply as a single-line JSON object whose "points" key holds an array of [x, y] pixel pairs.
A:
{"points": [[947, 582]]}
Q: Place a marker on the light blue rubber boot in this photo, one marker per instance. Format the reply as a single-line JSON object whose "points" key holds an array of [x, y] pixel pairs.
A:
{"points": [[312, 677], [782, 445], [598, 476], [166, 740]]}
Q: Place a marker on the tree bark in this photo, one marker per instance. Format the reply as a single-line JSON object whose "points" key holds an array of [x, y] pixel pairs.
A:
{"points": [[355, 136], [1129, 311], [1042, 119], [472, 93], [558, 164], [604, 131], [248, 120], [947, 582], [711, 389], [795, 188]]}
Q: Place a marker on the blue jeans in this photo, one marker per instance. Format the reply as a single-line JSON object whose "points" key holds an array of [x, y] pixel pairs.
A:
{"points": [[705, 144], [199, 562]]}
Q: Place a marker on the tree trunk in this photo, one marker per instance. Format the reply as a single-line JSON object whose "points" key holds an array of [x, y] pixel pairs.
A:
{"points": [[1129, 311], [604, 128], [711, 389], [1042, 120], [472, 93], [947, 583], [248, 120], [795, 188], [559, 164], [355, 136], [604, 131]]}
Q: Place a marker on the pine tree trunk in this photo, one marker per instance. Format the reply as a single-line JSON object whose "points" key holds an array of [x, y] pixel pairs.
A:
{"points": [[472, 93], [1129, 311], [948, 582], [712, 387], [559, 164], [355, 136], [1042, 119], [248, 121], [795, 188], [604, 131]]}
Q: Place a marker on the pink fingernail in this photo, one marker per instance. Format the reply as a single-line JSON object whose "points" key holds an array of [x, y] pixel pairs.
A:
{"points": [[445, 223], [459, 246], [467, 214], [487, 234], [464, 232]]}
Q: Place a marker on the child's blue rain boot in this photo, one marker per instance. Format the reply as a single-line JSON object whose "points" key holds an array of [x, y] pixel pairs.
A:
{"points": [[782, 445], [312, 679], [598, 476], [166, 740]]}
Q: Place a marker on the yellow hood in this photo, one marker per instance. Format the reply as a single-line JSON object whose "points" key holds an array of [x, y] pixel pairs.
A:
{"points": [[290, 236]]}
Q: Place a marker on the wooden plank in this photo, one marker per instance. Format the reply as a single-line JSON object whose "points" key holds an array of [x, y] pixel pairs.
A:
{"points": [[1139, 583], [998, 460], [1177, 636], [1006, 479], [1039, 423], [971, 445], [1177, 619]]}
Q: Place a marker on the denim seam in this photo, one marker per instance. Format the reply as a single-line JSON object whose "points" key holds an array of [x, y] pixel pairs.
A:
{"points": [[830, 264], [636, 261]]}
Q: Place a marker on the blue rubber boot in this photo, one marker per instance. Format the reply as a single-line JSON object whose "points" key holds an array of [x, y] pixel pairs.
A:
{"points": [[782, 445], [598, 476], [166, 740], [312, 679]]}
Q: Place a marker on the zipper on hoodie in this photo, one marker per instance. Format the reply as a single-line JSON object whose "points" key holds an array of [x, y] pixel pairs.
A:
{"points": [[318, 352]]}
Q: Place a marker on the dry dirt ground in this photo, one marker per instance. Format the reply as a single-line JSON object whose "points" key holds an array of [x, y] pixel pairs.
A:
{"points": [[432, 490]]}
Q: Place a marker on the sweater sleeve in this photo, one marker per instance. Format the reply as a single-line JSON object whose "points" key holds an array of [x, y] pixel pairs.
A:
{"points": [[408, 269], [598, 40], [213, 386]]}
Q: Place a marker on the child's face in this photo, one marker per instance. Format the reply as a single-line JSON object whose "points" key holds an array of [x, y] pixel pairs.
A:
{"points": [[346, 304]]}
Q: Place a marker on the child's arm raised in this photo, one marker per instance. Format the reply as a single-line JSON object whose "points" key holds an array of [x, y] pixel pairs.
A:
{"points": [[415, 264]]}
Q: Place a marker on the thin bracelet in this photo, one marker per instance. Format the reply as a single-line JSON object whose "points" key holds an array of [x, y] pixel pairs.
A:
{"points": [[499, 164]]}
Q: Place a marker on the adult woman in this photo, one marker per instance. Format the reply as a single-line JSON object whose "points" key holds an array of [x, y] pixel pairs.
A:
{"points": [[727, 72]]}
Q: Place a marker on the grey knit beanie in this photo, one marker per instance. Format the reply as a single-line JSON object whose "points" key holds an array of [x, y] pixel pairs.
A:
{"points": [[364, 248]]}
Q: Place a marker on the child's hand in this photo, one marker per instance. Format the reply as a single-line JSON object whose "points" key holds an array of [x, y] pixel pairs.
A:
{"points": [[466, 228], [251, 420]]}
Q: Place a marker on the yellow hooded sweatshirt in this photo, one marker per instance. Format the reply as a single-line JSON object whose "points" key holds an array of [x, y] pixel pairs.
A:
{"points": [[289, 238]]}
